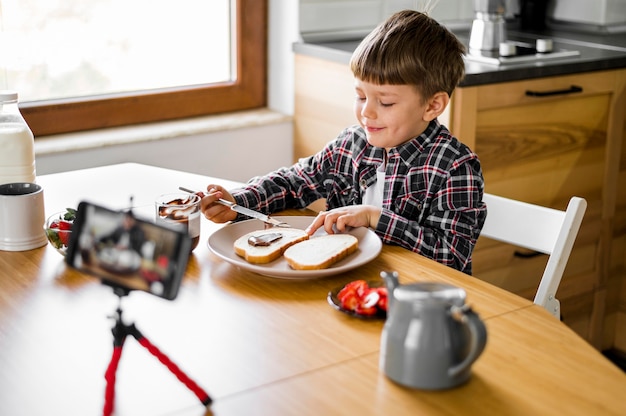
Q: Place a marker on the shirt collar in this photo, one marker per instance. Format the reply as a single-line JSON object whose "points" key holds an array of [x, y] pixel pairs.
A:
{"points": [[411, 149]]}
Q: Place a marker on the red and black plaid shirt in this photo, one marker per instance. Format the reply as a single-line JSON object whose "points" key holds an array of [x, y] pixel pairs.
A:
{"points": [[432, 202]]}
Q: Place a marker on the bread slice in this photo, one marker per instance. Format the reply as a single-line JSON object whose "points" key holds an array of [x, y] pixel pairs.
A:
{"points": [[321, 252], [267, 254]]}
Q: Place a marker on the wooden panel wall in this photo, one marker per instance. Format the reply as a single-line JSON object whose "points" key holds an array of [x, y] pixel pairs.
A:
{"points": [[323, 103]]}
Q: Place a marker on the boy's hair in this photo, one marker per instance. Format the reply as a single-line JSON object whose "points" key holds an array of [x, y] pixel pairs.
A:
{"points": [[411, 48]]}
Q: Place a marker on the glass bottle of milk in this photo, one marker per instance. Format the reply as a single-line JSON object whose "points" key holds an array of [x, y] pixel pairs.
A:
{"points": [[17, 152]]}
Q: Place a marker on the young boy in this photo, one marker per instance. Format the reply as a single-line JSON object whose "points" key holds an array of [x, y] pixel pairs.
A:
{"points": [[398, 172]]}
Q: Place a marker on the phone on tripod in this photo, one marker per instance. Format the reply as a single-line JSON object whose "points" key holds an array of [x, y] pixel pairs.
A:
{"points": [[126, 252]]}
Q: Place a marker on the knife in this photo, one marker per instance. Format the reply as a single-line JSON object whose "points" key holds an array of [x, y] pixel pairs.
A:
{"points": [[243, 210]]}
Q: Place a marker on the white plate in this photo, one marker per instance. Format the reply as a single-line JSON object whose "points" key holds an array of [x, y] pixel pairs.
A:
{"points": [[221, 243]]}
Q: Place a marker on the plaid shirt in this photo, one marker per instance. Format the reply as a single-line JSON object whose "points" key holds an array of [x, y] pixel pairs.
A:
{"points": [[432, 202]]}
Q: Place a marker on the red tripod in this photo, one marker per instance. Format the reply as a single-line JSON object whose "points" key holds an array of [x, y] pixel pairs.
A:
{"points": [[120, 332]]}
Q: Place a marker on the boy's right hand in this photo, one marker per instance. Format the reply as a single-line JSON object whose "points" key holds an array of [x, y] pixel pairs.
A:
{"points": [[342, 218], [214, 211]]}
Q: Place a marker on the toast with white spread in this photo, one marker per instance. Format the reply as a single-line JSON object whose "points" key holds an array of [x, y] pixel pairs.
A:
{"points": [[320, 252]]}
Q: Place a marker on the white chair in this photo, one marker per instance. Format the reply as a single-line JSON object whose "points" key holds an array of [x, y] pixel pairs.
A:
{"points": [[546, 230]]}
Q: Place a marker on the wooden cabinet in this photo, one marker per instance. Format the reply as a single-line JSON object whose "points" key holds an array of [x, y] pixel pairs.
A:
{"points": [[615, 264], [323, 105], [536, 147], [543, 141]]}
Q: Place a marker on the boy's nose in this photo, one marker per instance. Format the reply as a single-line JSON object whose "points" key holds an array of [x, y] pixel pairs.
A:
{"points": [[367, 111]]}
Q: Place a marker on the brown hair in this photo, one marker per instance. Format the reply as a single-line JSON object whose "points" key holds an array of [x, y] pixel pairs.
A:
{"points": [[411, 48]]}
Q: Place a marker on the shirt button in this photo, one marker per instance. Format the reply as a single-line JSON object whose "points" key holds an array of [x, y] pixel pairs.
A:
{"points": [[363, 184]]}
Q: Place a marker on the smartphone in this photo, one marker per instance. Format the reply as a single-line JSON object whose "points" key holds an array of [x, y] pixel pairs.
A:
{"points": [[127, 252]]}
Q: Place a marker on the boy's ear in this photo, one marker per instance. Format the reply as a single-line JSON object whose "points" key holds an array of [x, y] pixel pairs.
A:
{"points": [[436, 104]]}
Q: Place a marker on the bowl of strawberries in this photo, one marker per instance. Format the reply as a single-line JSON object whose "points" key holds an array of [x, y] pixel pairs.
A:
{"points": [[58, 228], [361, 299]]}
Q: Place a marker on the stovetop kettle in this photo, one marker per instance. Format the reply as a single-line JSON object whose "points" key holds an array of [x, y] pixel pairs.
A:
{"points": [[488, 26]]}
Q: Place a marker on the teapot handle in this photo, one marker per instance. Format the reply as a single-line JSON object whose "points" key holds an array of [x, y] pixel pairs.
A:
{"points": [[478, 333]]}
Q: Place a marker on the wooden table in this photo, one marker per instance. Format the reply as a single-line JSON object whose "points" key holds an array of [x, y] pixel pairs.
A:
{"points": [[261, 345]]}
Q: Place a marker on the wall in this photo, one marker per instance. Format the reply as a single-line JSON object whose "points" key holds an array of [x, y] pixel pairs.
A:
{"points": [[352, 19], [235, 147], [604, 13]]}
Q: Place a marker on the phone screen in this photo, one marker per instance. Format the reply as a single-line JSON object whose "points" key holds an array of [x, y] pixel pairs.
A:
{"points": [[128, 252]]}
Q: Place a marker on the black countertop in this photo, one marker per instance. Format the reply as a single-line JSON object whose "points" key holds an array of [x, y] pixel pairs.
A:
{"points": [[597, 52]]}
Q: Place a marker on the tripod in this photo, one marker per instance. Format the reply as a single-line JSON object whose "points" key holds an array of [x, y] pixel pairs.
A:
{"points": [[120, 332]]}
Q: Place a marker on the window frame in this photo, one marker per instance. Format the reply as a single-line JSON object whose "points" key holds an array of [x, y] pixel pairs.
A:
{"points": [[248, 91]]}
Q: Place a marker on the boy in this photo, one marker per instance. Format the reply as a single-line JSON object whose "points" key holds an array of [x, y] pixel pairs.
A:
{"points": [[398, 172]]}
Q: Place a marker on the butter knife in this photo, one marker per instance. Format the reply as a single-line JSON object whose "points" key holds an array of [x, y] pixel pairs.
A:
{"points": [[243, 210]]}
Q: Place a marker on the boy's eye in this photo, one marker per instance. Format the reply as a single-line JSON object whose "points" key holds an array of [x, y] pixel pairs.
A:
{"points": [[386, 104], [359, 98]]}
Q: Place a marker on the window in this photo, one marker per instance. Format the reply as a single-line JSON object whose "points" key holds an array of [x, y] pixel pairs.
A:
{"points": [[226, 76]]}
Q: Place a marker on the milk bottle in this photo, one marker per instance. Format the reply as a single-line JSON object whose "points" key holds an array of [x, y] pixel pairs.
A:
{"points": [[17, 153]]}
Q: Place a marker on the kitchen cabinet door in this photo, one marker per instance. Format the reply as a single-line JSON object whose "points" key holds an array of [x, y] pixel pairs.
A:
{"points": [[543, 141]]}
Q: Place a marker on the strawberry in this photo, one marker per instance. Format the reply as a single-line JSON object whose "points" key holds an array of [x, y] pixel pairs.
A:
{"points": [[345, 292], [60, 235], [362, 310], [53, 236], [353, 297], [60, 228], [382, 301], [64, 234], [362, 288], [64, 225], [358, 286], [350, 301]]}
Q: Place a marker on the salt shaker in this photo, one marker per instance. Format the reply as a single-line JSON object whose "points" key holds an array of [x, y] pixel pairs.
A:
{"points": [[17, 150]]}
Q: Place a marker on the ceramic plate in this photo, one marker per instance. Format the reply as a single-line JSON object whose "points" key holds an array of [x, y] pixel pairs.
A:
{"points": [[221, 243], [335, 303]]}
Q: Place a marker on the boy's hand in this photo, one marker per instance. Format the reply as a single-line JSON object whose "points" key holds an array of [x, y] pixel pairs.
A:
{"points": [[340, 219], [217, 212]]}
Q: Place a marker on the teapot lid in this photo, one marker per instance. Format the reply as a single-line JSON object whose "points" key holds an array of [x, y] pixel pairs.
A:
{"points": [[431, 291]]}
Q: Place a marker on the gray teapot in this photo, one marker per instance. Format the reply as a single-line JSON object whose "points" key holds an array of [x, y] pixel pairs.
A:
{"points": [[431, 337]]}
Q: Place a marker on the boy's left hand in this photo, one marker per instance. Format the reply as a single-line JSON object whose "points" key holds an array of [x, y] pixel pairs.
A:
{"points": [[340, 219]]}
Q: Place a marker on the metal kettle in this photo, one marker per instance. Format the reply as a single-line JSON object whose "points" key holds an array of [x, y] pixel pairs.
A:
{"points": [[431, 337], [489, 25]]}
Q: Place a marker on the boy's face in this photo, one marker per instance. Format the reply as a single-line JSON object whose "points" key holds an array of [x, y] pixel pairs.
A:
{"points": [[391, 114]]}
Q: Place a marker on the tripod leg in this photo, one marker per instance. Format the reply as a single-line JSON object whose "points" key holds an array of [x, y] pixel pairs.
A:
{"points": [[164, 359], [109, 394]]}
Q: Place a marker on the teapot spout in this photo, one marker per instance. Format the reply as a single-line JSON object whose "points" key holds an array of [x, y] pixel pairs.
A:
{"points": [[391, 281]]}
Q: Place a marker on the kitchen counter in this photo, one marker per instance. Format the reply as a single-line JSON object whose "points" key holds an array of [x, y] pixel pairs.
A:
{"points": [[597, 52]]}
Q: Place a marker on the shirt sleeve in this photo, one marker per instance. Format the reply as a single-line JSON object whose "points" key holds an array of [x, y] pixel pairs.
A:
{"points": [[297, 186], [448, 230]]}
